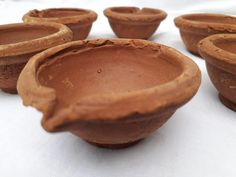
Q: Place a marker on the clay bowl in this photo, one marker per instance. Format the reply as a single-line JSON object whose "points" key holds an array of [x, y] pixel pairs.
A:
{"points": [[134, 23], [20, 41], [78, 20], [219, 52], [110, 92], [195, 27]]}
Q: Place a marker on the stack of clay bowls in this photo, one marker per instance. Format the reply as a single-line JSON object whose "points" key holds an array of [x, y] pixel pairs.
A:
{"points": [[213, 36], [112, 92]]}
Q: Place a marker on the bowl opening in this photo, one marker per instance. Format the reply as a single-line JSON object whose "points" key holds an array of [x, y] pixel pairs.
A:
{"points": [[135, 10], [24, 33], [228, 45], [211, 18], [109, 69], [58, 13]]}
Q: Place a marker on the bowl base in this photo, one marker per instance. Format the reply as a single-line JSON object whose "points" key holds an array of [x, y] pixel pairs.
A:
{"points": [[231, 105], [115, 146], [8, 90]]}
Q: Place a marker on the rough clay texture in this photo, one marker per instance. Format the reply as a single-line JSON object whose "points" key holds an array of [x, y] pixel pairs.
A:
{"points": [[115, 93], [78, 20], [219, 51], [195, 27], [9, 75], [19, 42], [134, 23]]}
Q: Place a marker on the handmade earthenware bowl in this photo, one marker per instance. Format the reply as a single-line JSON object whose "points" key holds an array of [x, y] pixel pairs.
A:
{"points": [[111, 93], [134, 23], [78, 20], [18, 42], [194, 27], [219, 52]]}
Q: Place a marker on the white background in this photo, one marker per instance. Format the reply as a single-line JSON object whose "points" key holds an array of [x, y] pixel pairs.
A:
{"points": [[198, 141]]}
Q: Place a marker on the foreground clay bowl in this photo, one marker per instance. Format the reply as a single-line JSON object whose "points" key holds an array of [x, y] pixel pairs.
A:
{"points": [[134, 23], [111, 93], [195, 27], [219, 52], [78, 20], [19, 42]]}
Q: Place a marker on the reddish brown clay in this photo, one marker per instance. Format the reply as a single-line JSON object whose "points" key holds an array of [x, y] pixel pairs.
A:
{"points": [[19, 42], [195, 27], [219, 52], [78, 20], [111, 93], [134, 23]]}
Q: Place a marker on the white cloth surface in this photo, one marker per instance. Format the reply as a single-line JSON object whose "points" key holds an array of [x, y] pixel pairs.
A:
{"points": [[198, 141]]}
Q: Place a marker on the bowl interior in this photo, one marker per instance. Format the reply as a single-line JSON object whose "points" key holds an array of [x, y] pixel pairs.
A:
{"points": [[226, 44], [106, 70], [211, 18], [57, 13], [23, 33], [135, 10]]}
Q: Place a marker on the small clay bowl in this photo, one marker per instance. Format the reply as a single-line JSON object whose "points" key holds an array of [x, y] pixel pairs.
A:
{"points": [[78, 20], [195, 27], [219, 52], [110, 92], [134, 23], [20, 41]]}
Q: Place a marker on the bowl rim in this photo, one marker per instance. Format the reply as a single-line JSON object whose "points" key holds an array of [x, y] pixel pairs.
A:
{"points": [[88, 17], [150, 18], [62, 35], [216, 55], [94, 108], [188, 25]]}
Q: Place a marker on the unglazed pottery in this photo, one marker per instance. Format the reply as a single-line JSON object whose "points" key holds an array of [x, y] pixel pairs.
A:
{"points": [[134, 23], [19, 42], [195, 27], [219, 52], [110, 92], [78, 20]]}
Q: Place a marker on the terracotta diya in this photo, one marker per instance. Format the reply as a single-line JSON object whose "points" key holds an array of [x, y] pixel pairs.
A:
{"points": [[18, 42], [219, 52], [134, 23], [78, 20], [195, 27], [110, 92]]}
